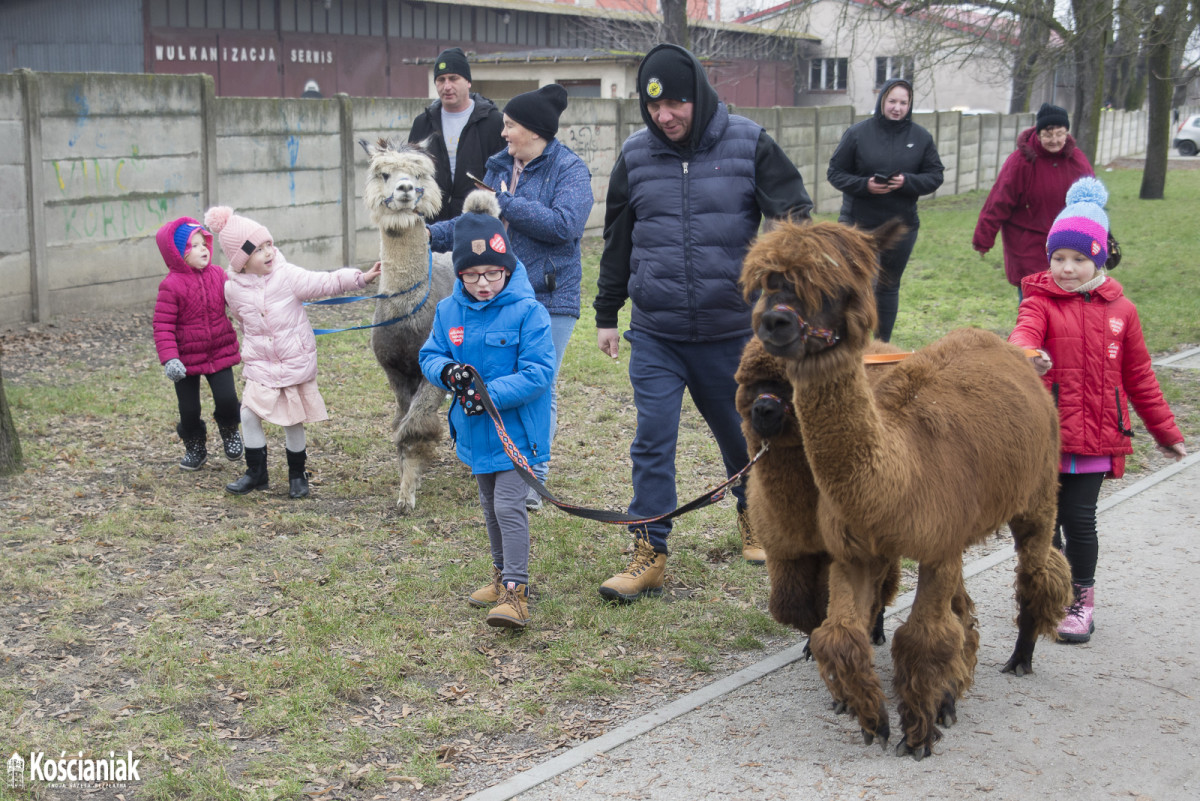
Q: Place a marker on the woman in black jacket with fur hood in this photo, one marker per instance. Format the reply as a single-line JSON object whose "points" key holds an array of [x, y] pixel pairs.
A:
{"points": [[882, 165]]}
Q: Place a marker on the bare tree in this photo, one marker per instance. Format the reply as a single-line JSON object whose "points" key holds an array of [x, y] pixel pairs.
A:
{"points": [[641, 29], [1030, 59], [10, 445], [675, 23], [1170, 30]]}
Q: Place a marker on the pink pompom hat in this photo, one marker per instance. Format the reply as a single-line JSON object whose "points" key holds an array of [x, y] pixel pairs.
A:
{"points": [[239, 236]]}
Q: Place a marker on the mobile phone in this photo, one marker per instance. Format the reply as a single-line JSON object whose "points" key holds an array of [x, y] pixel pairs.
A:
{"points": [[479, 184], [883, 177]]}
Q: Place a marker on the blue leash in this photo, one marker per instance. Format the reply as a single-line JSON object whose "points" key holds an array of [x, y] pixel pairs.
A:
{"points": [[338, 301]]}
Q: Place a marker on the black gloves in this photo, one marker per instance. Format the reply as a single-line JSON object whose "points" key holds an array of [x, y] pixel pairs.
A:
{"points": [[457, 377], [471, 402]]}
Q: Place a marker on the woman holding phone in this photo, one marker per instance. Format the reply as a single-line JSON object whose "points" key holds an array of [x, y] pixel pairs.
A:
{"points": [[881, 166], [545, 195]]}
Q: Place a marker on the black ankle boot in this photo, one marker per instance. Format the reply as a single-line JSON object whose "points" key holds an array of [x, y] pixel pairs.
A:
{"points": [[231, 438], [297, 478], [256, 473], [195, 452]]}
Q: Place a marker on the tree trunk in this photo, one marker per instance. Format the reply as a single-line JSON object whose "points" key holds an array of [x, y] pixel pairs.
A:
{"points": [[1093, 20], [1158, 137], [1029, 57], [10, 445], [675, 23]]}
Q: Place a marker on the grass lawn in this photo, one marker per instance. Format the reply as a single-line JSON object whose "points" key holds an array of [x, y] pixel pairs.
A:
{"points": [[262, 648]]}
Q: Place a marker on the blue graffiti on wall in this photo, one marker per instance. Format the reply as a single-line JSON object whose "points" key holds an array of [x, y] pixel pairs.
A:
{"points": [[81, 119], [293, 146]]}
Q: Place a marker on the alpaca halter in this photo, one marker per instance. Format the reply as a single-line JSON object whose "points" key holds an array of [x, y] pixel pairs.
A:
{"points": [[826, 335], [787, 405]]}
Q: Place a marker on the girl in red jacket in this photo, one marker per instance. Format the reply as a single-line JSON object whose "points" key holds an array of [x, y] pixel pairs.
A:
{"points": [[194, 338], [1093, 360]]}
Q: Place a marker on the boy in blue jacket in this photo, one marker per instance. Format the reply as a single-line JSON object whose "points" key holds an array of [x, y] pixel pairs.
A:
{"points": [[492, 329]]}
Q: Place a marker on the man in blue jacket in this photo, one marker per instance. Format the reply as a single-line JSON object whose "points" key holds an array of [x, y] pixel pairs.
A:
{"points": [[686, 196]]}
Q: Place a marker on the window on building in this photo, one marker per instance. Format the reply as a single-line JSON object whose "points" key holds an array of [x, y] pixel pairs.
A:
{"points": [[889, 67], [827, 75], [246, 15]]}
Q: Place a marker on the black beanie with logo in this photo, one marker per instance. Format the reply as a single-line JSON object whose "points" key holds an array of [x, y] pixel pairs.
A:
{"points": [[453, 61]]}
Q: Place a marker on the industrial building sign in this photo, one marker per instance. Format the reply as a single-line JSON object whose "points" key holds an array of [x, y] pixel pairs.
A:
{"points": [[227, 54]]}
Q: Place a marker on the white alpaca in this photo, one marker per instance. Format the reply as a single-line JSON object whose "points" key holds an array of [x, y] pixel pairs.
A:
{"points": [[400, 193]]}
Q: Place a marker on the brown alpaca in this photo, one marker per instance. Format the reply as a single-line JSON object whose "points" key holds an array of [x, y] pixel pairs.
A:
{"points": [[782, 497], [953, 442]]}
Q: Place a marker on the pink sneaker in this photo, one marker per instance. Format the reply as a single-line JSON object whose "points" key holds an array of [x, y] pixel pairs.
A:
{"points": [[1078, 625]]}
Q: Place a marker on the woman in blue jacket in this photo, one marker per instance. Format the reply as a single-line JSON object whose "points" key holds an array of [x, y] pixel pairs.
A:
{"points": [[545, 194], [882, 165], [492, 330]]}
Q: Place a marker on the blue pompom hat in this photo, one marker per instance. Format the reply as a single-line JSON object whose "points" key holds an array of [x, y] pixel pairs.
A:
{"points": [[183, 235], [1082, 225]]}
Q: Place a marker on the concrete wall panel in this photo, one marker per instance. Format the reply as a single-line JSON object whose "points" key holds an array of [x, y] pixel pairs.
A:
{"points": [[81, 95], [114, 219], [281, 190], [105, 178], [254, 154], [130, 137], [259, 116]]}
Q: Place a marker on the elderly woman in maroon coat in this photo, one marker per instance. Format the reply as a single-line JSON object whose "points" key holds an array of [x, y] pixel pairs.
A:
{"points": [[1029, 192]]}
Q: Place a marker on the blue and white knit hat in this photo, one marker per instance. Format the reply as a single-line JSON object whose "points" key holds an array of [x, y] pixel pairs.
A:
{"points": [[1082, 225], [183, 235]]}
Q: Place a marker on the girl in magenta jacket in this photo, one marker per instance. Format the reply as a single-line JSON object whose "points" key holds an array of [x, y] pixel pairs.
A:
{"points": [[1029, 192], [266, 295], [194, 338], [1094, 361]]}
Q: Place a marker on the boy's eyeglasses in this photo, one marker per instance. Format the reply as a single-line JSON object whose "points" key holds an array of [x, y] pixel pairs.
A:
{"points": [[489, 275]]}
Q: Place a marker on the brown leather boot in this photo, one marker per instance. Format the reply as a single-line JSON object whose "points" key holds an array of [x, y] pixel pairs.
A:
{"points": [[488, 594], [512, 611], [752, 550], [644, 576]]}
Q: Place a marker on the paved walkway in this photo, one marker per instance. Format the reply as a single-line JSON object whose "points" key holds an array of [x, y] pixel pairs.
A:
{"points": [[1117, 718]]}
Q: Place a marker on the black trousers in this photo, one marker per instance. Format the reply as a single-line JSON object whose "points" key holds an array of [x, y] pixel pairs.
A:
{"points": [[227, 408], [1077, 497], [887, 287]]}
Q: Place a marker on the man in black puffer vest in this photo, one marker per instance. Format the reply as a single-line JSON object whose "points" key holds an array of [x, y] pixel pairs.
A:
{"points": [[463, 129], [685, 198]]}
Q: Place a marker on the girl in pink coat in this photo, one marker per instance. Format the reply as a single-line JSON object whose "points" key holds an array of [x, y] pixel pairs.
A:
{"points": [[266, 295], [193, 338]]}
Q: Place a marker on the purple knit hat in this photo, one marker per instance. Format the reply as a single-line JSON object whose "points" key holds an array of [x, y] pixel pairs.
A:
{"points": [[1082, 225]]}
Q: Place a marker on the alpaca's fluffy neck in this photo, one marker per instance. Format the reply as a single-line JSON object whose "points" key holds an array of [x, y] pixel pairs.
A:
{"points": [[405, 257], [853, 456]]}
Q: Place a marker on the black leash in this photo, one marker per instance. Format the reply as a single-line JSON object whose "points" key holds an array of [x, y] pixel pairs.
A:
{"points": [[599, 515]]}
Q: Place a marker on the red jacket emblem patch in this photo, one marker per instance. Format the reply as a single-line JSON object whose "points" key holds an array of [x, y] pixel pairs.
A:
{"points": [[456, 335]]}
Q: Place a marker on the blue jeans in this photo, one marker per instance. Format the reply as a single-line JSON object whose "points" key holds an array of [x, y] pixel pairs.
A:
{"points": [[659, 371], [561, 326]]}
